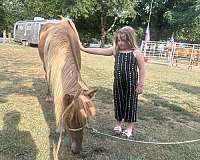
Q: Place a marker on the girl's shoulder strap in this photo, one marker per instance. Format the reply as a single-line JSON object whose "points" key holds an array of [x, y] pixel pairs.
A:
{"points": [[136, 51]]}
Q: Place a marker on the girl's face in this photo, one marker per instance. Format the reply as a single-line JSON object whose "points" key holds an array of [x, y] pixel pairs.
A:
{"points": [[122, 43]]}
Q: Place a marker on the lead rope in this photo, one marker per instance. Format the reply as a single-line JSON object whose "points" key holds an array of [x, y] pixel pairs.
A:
{"points": [[62, 124], [61, 130], [141, 142]]}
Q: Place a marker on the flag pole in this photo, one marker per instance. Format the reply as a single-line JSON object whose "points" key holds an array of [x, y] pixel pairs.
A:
{"points": [[150, 13], [147, 33], [149, 19]]}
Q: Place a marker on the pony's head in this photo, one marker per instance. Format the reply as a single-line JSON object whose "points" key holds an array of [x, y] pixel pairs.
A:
{"points": [[79, 108]]}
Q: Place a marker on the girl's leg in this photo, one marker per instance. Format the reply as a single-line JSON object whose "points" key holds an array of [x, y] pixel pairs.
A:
{"points": [[130, 127], [118, 124], [118, 106], [129, 131], [117, 129]]}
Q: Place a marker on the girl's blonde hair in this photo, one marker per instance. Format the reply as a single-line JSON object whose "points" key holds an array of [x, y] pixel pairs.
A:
{"points": [[127, 34]]}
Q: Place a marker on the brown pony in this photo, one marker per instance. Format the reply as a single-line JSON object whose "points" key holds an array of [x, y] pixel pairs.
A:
{"points": [[60, 53], [189, 52]]}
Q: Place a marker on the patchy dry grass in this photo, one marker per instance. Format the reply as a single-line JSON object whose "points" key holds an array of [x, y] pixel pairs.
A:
{"points": [[169, 110]]}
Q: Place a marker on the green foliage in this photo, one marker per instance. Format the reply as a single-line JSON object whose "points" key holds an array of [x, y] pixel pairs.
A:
{"points": [[178, 16], [189, 34], [111, 8], [83, 8], [183, 13], [105, 12], [28, 9], [2, 16], [186, 21], [95, 18]]}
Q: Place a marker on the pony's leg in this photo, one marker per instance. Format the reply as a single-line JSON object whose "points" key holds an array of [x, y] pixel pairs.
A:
{"points": [[48, 95]]}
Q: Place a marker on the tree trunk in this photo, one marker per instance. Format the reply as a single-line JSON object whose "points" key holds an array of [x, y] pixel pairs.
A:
{"points": [[103, 32], [9, 37], [4, 36]]}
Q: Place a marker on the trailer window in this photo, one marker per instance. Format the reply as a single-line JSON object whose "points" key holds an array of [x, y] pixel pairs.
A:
{"points": [[28, 27], [16, 27]]}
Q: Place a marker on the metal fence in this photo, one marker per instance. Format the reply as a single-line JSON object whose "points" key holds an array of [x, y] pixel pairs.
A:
{"points": [[172, 52]]}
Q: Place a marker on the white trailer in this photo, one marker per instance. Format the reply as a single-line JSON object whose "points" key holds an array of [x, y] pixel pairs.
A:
{"points": [[27, 32]]}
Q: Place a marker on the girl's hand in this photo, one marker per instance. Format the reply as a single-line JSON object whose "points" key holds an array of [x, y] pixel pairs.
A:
{"points": [[139, 89]]}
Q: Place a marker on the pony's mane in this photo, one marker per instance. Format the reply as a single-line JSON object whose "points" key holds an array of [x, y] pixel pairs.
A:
{"points": [[44, 29], [60, 60]]}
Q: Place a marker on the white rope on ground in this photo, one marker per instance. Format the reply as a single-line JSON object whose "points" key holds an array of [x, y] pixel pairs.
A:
{"points": [[142, 142]]}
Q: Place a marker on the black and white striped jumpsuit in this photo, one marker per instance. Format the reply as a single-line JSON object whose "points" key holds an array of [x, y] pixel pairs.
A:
{"points": [[124, 86]]}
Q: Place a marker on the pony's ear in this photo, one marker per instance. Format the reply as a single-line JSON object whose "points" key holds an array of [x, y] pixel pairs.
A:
{"points": [[68, 99], [92, 93]]}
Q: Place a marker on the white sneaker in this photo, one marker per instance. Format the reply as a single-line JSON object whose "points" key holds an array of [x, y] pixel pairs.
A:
{"points": [[127, 133], [117, 130]]}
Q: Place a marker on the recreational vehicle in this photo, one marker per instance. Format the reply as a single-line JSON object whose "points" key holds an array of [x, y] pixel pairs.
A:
{"points": [[27, 32]]}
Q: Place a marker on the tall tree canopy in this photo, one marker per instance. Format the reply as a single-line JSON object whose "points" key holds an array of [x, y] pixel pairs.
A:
{"points": [[108, 12], [99, 18], [2, 16], [183, 20], [180, 17]]}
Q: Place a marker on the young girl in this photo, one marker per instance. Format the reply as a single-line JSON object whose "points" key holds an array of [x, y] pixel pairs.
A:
{"points": [[128, 59]]}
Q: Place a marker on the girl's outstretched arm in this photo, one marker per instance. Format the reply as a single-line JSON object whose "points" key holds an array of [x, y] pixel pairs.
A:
{"points": [[141, 66], [98, 51]]}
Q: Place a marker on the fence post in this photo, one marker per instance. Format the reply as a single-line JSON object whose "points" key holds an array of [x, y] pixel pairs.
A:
{"points": [[145, 48], [191, 56], [141, 47], [154, 49], [173, 53]]}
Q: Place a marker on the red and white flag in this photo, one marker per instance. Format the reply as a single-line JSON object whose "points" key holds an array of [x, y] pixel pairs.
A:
{"points": [[147, 34]]}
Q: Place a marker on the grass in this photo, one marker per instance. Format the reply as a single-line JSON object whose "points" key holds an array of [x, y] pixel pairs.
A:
{"points": [[168, 111]]}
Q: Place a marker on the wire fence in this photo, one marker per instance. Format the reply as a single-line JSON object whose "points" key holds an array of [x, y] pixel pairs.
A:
{"points": [[172, 53]]}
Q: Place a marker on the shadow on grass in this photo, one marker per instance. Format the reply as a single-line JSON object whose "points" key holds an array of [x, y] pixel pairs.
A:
{"points": [[16, 144], [186, 88], [157, 111], [14, 84], [161, 108], [104, 95], [40, 87]]}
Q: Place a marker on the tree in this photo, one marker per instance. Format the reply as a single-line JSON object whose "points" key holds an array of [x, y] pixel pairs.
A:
{"points": [[171, 16], [2, 16], [159, 26], [183, 19], [16, 10], [107, 11]]}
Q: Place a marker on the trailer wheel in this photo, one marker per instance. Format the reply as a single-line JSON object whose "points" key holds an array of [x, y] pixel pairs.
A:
{"points": [[25, 43]]}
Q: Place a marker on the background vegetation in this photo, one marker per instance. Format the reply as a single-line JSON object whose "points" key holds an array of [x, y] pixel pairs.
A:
{"points": [[99, 18]]}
